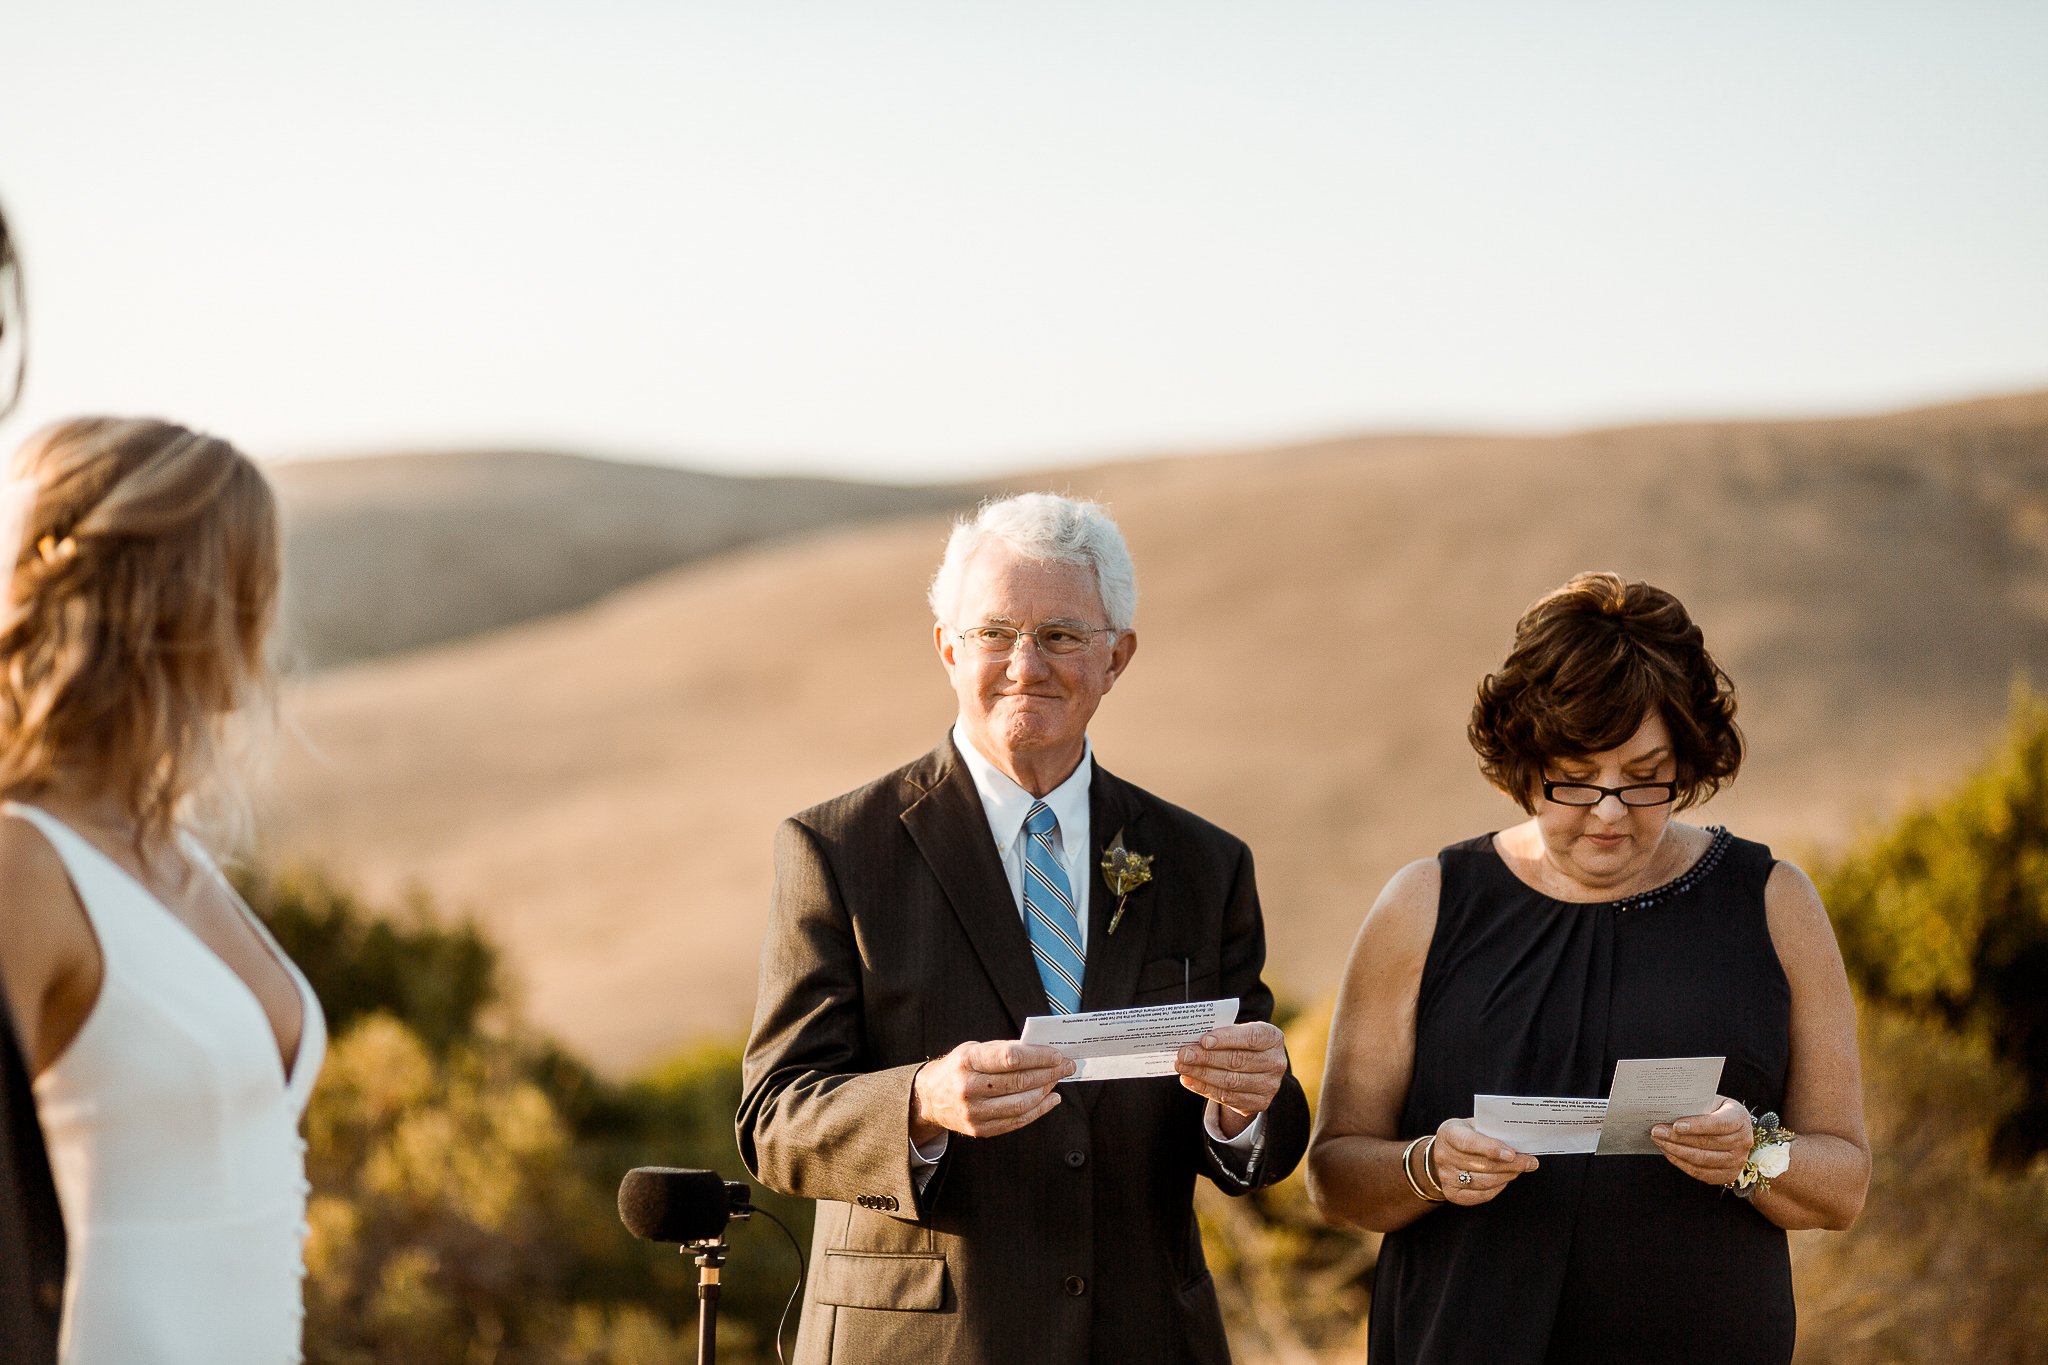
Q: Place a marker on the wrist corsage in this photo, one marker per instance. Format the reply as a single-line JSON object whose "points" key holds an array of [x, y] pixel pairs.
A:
{"points": [[1770, 1153]]}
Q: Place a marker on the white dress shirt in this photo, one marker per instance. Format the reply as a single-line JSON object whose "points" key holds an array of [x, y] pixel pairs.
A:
{"points": [[1007, 805]]}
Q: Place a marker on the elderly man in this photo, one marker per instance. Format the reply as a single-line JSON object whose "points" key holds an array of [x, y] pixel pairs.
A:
{"points": [[971, 1208]]}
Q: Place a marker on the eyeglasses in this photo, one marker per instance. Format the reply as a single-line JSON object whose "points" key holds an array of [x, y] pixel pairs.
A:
{"points": [[1586, 794], [1057, 639]]}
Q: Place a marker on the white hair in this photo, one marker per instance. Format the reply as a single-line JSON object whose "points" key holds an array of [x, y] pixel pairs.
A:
{"points": [[1048, 529]]}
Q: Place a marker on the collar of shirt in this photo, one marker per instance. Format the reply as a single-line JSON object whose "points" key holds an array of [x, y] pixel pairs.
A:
{"points": [[1006, 804]]}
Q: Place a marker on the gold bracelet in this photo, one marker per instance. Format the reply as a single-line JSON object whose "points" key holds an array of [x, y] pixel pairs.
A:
{"points": [[1409, 1170], [1429, 1151]]}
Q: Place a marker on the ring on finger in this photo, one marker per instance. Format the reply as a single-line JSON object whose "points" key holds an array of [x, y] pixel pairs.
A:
{"points": [[1464, 1177]]}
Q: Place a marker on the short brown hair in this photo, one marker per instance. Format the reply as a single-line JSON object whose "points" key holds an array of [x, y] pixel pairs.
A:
{"points": [[1590, 661], [138, 612]]}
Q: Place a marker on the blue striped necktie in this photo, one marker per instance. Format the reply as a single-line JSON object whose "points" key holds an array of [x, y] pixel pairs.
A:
{"points": [[1049, 914]]}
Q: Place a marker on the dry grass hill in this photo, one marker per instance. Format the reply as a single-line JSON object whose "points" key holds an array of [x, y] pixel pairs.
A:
{"points": [[600, 787], [391, 553]]}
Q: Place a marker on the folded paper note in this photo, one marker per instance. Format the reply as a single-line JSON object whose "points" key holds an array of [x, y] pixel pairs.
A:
{"points": [[1117, 1044], [1647, 1091]]}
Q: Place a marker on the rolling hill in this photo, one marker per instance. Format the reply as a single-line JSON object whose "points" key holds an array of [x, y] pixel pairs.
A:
{"points": [[391, 553], [600, 787]]}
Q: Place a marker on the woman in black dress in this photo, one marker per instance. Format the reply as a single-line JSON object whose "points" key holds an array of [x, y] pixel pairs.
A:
{"points": [[1529, 962]]}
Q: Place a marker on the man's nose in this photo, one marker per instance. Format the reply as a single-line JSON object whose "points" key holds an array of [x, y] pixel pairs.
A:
{"points": [[1027, 660]]}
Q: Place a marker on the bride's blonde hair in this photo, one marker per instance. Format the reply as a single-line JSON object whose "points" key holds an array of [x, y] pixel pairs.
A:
{"points": [[138, 612]]}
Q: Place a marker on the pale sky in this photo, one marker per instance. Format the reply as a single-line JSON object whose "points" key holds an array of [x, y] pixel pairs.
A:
{"points": [[894, 239]]}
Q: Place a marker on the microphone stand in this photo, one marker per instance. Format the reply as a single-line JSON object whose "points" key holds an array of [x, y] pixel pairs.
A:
{"points": [[680, 1207], [710, 1258]]}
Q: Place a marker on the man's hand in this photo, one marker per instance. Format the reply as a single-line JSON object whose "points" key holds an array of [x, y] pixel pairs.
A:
{"points": [[985, 1090], [1240, 1066]]}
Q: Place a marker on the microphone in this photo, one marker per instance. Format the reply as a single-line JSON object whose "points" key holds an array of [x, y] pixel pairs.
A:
{"points": [[671, 1204]]}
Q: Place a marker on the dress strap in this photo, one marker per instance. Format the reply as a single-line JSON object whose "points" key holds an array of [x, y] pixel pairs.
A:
{"points": [[97, 880]]}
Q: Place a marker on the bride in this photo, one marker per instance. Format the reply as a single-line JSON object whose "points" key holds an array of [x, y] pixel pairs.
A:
{"points": [[173, 1045]]}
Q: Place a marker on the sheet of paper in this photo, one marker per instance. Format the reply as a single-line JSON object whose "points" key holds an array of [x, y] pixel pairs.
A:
{"points": [[1647, 1091], [1652, 1090], [1116, 1044], [1540, 1125]]}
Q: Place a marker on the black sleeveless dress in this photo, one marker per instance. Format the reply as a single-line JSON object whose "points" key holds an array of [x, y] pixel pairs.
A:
{"points": [[1591, 1259]]}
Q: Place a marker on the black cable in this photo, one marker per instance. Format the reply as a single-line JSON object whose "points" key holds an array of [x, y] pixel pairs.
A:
{"points": [[802, 1269]]}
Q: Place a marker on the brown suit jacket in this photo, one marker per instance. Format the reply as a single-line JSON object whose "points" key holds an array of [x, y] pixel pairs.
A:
{"points": [[895, 937]]}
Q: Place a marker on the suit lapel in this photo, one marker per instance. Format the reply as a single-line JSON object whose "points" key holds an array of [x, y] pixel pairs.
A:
{"points": [[950, 829], [1113, 959]]}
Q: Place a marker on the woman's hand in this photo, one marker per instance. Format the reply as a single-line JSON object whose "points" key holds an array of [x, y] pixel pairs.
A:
{"points": [[1472, 1167], [1712, 1147]]}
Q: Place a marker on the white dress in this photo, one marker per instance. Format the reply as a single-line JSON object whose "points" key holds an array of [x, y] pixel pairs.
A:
{"points": [[173, 1131]]}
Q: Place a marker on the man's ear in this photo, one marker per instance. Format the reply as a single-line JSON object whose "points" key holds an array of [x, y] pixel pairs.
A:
{"points": [[1120, 655]]}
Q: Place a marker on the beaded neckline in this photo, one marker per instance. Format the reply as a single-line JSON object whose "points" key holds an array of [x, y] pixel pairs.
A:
{"points": [[1717, 847], [1703, 866]]}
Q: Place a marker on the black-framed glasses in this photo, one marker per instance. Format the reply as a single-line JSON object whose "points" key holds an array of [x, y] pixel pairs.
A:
{"points": [[1586, 794], [1055, 638]]}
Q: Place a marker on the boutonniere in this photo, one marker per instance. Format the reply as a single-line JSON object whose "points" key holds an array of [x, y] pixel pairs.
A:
{"points": [[1123, 872]]}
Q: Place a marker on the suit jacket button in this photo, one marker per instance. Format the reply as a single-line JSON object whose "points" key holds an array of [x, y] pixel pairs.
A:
{"points": [[889, 1203], [1076, 1286], [1077, 1159]]}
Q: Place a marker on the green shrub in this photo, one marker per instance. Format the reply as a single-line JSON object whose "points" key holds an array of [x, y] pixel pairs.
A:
{"points": [[1945, 914], [1945, 1262], [465, 1170], [436, 978]]}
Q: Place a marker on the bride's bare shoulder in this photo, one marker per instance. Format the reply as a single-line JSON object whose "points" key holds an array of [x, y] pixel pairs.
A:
{"points": [[49, 957], [28, 862]]}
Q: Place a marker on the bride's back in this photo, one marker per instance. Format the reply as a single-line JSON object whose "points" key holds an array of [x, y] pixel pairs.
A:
{"points": [[174, 1046]]}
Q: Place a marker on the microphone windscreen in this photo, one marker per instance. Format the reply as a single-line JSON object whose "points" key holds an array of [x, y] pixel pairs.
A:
{"points": [[666, 1204]]}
